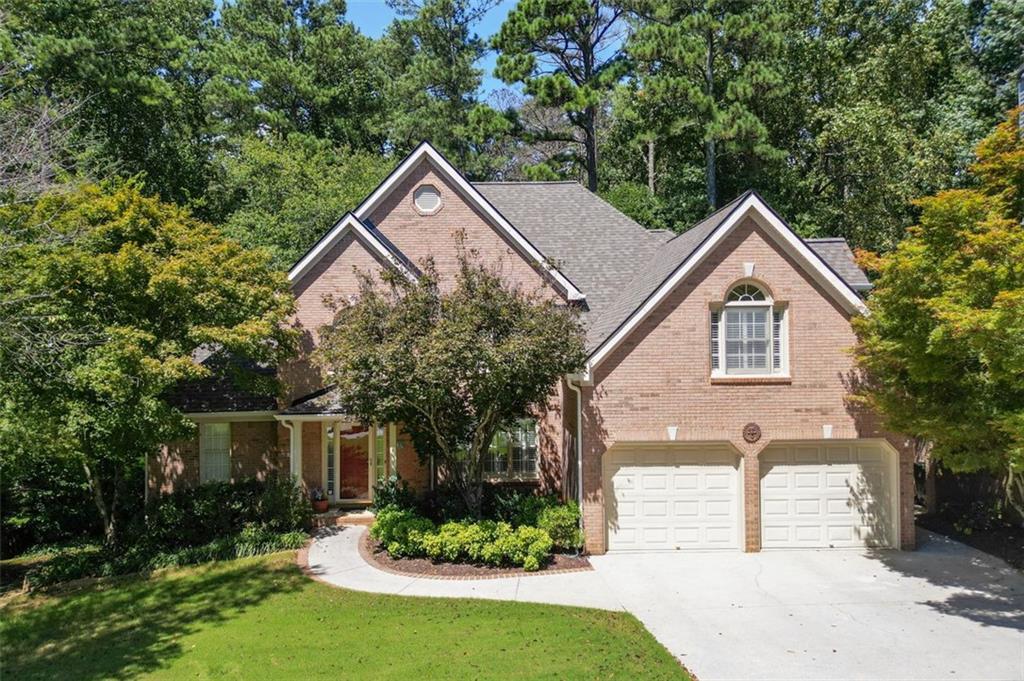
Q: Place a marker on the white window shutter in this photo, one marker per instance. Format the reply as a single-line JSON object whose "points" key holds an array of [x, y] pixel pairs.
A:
{"points": [[714, 339], [777, 340]]}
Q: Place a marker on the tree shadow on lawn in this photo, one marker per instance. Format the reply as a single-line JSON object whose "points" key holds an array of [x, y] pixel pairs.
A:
{"points": [[123, 628], [984, 589]]}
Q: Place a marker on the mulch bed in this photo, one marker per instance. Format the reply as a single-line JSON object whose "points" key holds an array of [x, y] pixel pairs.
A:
{"points": [[374, 553], [1006, 542]]}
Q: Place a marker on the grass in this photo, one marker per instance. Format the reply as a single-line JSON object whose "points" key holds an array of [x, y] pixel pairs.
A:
{"points": [[262, 618]]}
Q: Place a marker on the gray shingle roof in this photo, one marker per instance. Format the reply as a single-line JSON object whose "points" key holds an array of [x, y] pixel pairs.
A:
{"points": [[616, 262], [323, 401], [593, 244], [226, 389], [837, 254]]}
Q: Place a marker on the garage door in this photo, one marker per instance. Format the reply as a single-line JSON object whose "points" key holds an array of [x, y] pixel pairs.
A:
{"points": [[662, 499], [821, 495]]}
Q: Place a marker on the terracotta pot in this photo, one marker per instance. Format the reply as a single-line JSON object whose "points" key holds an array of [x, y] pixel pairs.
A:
{"points": [[320, 506]]}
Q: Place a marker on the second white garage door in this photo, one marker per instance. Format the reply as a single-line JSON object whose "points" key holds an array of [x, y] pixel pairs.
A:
{"points": [[670, 498], [828, 495]]}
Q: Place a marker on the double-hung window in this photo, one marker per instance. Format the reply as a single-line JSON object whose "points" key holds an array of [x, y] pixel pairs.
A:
{"points": [[513, 452], [748, 334], [214, 452]]}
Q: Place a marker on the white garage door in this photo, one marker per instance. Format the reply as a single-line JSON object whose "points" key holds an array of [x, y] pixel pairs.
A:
{"points": [[821, 495], [672, 498]]}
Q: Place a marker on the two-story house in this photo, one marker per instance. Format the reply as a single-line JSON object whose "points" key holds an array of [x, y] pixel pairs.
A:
{"points": [[714, 409]]}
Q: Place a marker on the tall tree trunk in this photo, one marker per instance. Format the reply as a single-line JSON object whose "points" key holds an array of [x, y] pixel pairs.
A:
{"points": [[711, 173], [650, 166], [711, 169], [106, 512], [590, 147]]}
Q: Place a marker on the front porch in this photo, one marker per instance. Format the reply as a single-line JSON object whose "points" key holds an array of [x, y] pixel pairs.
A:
{"points": [[343, 517], [336, 452]]}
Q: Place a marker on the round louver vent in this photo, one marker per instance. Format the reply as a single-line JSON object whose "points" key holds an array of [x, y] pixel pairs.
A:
{"points": [[427, 198]]}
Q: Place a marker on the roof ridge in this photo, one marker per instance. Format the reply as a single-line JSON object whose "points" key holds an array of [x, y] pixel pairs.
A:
{"points": [[493, 182], [713, 213], [826, 238]]}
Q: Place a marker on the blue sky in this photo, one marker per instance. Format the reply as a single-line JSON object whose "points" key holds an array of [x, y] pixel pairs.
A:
{"points": [[373, 16]]}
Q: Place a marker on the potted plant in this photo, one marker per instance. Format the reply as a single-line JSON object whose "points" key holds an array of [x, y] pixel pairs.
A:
{"points": [[318, 498]]}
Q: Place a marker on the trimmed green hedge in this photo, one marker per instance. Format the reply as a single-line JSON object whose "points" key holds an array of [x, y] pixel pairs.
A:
{"points": [[403, 533]]}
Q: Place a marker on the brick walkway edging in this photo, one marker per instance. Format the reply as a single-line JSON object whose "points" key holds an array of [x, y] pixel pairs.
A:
{"points": [[302, 560]]}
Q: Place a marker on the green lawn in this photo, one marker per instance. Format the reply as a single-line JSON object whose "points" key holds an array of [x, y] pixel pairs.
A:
{"points": [[262, 618]]}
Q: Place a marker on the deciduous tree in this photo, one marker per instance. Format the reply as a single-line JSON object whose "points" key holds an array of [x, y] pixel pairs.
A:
{"points": [[452, 361], [942, 347]]}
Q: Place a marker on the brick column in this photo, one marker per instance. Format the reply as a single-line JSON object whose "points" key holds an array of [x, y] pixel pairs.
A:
{"points": [[751, 494]]}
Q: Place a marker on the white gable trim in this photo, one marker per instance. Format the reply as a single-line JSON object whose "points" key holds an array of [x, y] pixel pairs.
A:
{"points": [[753, 206], [348, 222], [476, 198]]}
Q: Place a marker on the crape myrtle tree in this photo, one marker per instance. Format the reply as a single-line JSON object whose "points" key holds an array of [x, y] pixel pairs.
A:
{"points": [[110, 319], [942, 347], [453, 361]]}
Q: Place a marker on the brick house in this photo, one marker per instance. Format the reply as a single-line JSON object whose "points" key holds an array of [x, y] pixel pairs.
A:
{"points": [[714, 410]]}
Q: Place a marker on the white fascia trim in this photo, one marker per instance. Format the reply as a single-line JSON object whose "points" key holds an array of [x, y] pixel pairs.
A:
{"points": [[231, 415], [315, 417], [368, 238], [476, 198], [754, 207]]}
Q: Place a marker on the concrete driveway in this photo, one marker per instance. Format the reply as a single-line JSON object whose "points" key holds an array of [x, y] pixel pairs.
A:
{"points": [[945, 611]]}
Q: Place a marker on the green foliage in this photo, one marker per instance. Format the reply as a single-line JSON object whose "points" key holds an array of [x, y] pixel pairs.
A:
{"points": [[709, 68], [198, 515], [488, 542], [130, 70], [941, 348], [637, 202], [115, 291], [98, 561], [401, 531], [453, 363], [394, 492], [283, 194], [516, 506], [431, 54], [295, 66], [562, 523], [567, 55]]}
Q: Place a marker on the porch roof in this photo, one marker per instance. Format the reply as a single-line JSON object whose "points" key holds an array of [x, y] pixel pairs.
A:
{"points": [[323, 401]]}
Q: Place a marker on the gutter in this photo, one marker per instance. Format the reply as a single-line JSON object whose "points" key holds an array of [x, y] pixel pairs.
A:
{"points": [[579, 443]]}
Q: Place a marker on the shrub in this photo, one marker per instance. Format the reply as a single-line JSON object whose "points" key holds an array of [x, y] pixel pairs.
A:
{"points": [[99, 561], [199, 515], [401, 531], [516, 506], [393, 492], [444, 504], [494, 543], [562, 524]]}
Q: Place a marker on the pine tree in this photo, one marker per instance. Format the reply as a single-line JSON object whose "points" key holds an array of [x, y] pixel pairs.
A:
{"points": [[710, 64], [567, 54]]}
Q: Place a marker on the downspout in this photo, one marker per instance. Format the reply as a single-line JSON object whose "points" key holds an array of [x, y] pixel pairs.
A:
{"points": [[579, 444], [290, 425]]}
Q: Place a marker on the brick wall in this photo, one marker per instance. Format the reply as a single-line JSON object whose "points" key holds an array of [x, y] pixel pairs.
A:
{"points": [[660, 376], [257, 450], [419, 236]]}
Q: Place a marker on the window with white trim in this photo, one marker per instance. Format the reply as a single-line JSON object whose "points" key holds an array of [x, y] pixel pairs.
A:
{"points": [[748, 334], [427, 199], [513, 453], [214, 452]]}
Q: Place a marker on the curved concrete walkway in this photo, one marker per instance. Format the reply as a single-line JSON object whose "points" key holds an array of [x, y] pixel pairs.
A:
{"points": [[334, 558], [944, 611]]}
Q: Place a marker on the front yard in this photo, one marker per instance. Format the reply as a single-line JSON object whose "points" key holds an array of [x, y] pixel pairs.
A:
{"points": [[262, 618]]}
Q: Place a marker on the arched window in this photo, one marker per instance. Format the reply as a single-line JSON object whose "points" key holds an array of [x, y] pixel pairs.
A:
{"points": [[752, 341]]}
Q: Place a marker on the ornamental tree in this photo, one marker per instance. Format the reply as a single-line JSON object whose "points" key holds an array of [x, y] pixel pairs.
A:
{"points": [[453, 361], [111, 292], [943, 347]]}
